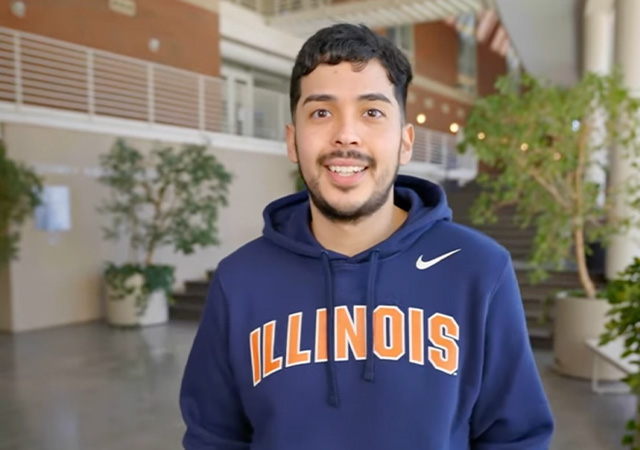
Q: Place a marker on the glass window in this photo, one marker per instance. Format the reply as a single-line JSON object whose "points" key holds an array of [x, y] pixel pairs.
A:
{"points": [[467, 52], [402, 36]]}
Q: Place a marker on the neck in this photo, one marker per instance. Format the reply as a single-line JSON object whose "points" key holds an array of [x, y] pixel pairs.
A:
{"points": [[355, 237]]}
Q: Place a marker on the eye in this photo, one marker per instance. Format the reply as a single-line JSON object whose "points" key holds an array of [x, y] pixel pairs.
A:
{"points": [[320, 113], [374, 113]]}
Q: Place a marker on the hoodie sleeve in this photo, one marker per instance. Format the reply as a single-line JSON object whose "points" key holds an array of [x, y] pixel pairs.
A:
{"points": [[511, 411], [209, 398]]}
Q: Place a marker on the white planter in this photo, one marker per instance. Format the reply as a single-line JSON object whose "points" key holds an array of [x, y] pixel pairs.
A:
{"points": [[157, 311], [123, 312], [576, 320]]}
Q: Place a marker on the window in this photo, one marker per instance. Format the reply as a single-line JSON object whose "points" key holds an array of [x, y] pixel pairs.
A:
{"points": [[402, 36], [467, 52]]}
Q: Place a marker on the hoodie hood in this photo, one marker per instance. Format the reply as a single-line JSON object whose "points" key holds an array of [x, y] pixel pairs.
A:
{"points": [[287, 221]]}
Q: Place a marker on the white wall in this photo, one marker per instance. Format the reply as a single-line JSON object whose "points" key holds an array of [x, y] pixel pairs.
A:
{"points": [[56, 283]]}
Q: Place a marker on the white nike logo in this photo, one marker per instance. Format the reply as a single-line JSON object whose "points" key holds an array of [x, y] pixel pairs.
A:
{"points": [[422, 265]]}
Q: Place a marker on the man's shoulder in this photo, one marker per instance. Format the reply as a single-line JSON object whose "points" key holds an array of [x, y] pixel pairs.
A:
{"points": [[471, 237], [254, 251]]}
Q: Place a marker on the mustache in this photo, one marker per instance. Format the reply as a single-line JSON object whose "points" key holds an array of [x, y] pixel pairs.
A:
{"points": [[347, 154]]}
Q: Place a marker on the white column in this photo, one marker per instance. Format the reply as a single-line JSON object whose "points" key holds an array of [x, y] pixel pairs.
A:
{"points": [[625, 247], [598, 36], [597, 55]]}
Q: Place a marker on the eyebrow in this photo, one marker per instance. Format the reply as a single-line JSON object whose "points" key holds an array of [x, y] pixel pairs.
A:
{"points": [[372, 97], [319, 98], [375, 97]]}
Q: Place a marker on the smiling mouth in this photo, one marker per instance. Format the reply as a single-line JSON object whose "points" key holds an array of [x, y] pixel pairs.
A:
{"points": [[347, 171]]}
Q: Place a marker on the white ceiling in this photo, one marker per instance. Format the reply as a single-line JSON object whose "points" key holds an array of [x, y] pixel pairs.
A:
{"points": [[546, 36]]}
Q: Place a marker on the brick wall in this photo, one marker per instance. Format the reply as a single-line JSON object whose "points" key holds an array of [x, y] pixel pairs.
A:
{"points": [[436, 52], [188, 35], [440, 110], [490, 66]]}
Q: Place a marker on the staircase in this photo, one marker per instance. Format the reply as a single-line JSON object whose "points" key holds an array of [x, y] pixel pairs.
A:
{"points": [[189, 305], [537, 298]]}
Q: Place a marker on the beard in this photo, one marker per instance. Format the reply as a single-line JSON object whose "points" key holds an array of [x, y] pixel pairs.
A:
{"points": [[377, 199]]}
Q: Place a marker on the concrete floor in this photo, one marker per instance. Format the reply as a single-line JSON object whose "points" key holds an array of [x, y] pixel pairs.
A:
{"points": [[90, 387]]}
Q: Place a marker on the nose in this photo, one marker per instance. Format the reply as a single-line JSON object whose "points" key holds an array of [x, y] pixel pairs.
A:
{"points": [[346, 134]]}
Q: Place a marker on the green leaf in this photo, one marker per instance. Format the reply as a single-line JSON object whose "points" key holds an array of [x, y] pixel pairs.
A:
{"points": [[20, 191]]}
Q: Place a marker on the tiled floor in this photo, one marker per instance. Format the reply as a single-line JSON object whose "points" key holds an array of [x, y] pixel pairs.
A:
{"points": [[91, 387]]}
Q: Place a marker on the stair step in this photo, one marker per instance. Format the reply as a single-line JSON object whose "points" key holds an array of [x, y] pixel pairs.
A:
{"points": [[541, 337], [197, 287], [185, 312], [191, 299]]}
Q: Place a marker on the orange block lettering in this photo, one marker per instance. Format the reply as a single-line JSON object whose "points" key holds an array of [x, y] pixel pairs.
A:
{"points": [[416, 336], [271, 364], [349, 334], [321, 335], [443, 334], [255, 356], [388, 332], [294, 355]]}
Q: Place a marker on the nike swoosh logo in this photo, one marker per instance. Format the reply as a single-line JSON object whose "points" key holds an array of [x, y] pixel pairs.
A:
{"points": [[422, 265]]}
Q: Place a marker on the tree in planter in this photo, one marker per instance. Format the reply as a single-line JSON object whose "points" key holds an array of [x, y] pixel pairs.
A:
{"points": [[623, 294], [20, 189], [540, 143], [171, 198]]}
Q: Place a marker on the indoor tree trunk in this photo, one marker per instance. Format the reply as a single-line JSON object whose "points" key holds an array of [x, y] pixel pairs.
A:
{"points": [[581, 259]]}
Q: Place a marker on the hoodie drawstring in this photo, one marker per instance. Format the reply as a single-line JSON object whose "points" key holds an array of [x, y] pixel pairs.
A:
{"points": [[369, 369], [334, 398]]}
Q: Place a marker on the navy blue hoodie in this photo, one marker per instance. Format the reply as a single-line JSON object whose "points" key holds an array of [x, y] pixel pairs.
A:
{"points": [[418, 343]]}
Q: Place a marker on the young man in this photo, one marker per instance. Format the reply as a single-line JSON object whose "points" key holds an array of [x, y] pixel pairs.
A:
{"points": [[363, 318]]}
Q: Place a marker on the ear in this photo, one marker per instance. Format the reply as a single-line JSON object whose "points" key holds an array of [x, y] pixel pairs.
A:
{"points": [[290, 132], [406, 146]]}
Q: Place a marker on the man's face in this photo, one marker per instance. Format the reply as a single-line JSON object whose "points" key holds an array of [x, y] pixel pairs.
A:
{"points": [[348, 139]]}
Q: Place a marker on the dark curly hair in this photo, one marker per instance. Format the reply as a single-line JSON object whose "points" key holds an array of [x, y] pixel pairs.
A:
{"points": [[358, 45]]}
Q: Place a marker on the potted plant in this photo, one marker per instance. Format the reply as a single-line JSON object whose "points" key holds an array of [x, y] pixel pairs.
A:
{"points": [[168, 198], [20, 190], [541, 143], [623, 294]]}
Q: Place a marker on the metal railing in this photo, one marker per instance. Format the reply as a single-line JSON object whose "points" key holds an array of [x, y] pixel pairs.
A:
{"points": [[440, 149], [43, 72], [40, 71]]}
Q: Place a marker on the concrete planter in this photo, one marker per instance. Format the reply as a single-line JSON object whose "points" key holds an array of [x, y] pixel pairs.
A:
{"points": [[124, 312], [578, 319]]}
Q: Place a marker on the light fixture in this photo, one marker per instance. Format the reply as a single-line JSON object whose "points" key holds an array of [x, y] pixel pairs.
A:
{"points": [[454, 127], [18, 8], [524, 147], [154, 45], [421, 118], [481, 136]]}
